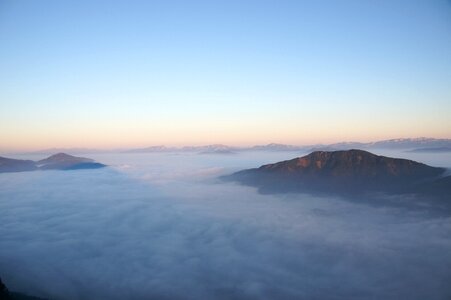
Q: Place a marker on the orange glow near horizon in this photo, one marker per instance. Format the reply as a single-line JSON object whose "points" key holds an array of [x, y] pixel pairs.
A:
{"points": [[134, 137], [36, 132]]}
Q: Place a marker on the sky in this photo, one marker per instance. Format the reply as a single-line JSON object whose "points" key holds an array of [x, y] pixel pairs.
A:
{"points": [[109, 74]]}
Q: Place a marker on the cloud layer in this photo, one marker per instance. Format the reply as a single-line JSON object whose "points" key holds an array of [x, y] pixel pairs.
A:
{"points": [[162, 227]]}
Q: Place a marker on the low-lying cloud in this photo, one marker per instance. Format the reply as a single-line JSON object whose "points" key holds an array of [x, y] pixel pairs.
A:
{"points": [[142, 233]]}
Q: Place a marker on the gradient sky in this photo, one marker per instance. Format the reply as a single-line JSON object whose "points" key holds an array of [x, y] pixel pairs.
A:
{"points": [[139, 73]]}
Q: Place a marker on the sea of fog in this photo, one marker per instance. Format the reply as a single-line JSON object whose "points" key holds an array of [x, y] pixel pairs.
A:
{"points": [[162, 226]]}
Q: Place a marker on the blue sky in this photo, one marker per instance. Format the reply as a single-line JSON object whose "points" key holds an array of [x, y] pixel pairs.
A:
{"points": [[136, 73]]}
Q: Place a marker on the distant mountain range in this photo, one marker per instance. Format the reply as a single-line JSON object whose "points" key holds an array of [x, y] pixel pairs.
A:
{"points": [[215, 148], [347, 172], [395, 144], [276, 147], [398, 144], [60, 161], [406, 144]]}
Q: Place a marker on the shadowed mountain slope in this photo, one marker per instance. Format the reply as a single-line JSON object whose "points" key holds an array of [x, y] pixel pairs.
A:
{"points": [[16, 165], [5, 294]]}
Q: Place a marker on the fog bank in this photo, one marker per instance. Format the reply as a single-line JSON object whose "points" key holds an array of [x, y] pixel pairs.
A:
{"points": [[161, 226]]}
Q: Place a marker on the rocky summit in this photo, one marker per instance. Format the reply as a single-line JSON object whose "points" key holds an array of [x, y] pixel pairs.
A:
{"points": [[351, 171]]}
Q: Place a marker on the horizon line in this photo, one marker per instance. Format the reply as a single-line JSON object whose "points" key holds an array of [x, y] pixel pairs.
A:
{"points": [[183, 147]]}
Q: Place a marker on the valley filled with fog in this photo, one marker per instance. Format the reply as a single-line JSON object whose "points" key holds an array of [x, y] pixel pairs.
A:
{"points": [[163, 226]]}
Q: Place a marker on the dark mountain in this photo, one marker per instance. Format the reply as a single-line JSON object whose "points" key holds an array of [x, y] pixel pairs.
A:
{"points": [[63, 161], [16, 165], [5, 294], [63, 157], [349, 172], [60, 161]]}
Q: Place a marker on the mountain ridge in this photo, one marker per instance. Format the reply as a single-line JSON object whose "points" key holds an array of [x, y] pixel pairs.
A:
{"points": [[59, 161], [346, 171], [395, 144], [399, 143]]}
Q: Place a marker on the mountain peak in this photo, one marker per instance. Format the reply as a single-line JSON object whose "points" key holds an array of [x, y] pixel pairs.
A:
{"points": [[63, 161], [340, 171], [59, 161], [353, 163], [63, 157]]}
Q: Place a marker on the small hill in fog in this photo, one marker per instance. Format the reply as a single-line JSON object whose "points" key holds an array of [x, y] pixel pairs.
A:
{"points": [[60, 161], [63, 161]]}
